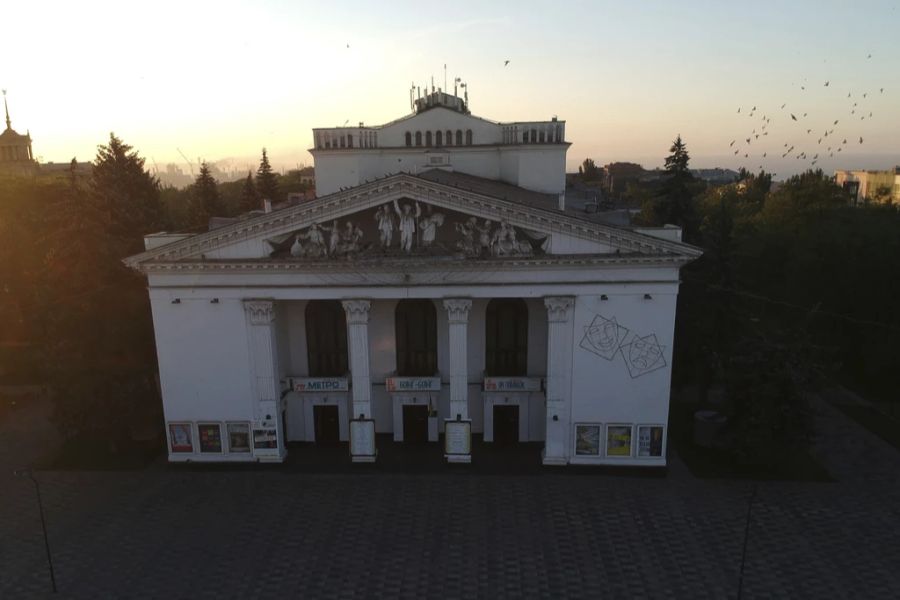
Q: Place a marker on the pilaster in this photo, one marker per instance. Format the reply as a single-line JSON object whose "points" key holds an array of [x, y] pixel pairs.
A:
{"points": [[263, 350], [357, 312], [560, 323]]}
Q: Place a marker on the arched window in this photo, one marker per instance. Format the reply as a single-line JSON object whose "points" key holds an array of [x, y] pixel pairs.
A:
{"points": [[428, 138], [534, 136], [408, 139], [449, 138], [418, 138], [326, 338], [506, 338], [468, 137], [349, 140], [439, 139], [415, 330], [459, 137]]}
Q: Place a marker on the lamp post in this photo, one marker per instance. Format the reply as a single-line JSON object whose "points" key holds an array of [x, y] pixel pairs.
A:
{"points": [[37, 488]]}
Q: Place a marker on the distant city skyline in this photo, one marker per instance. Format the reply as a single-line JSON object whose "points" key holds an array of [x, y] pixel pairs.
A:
{"points": [[220, 81]]}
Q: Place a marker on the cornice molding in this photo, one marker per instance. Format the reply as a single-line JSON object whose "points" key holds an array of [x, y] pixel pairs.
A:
{"points": [[383, 190]]}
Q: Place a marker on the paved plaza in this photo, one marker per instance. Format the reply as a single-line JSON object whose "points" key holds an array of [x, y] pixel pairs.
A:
{"points": [[170, 531]]}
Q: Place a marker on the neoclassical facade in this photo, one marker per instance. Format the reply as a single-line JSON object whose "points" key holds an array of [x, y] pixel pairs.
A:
{"points": [[431, 305]]}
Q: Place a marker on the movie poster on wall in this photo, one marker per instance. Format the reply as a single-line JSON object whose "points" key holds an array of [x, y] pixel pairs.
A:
{"points": [[210, 436], [650, 441], [618, 440], [587, 440], [239, 437], [180, 437]]}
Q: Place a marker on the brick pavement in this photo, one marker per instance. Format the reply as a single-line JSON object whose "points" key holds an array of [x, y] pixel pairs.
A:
{"points": [[255, 533]]}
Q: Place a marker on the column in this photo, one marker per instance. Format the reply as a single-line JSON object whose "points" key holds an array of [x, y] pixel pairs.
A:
{"points": [[560, 313], [264, 372], [458, 320], [358, 335]]}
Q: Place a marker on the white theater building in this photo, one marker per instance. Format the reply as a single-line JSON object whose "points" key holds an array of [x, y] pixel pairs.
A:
{"points": [[438, 289]]}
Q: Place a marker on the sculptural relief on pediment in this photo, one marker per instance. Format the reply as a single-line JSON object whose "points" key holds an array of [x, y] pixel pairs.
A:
{"points": [[408, 228]]}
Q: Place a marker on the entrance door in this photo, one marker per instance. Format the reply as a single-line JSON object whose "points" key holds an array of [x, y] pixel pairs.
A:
{"points": [[415, 424], [327, 426], [506, 424]]}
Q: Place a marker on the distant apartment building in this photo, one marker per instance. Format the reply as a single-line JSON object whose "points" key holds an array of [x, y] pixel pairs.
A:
{"points": [[870, 186]]}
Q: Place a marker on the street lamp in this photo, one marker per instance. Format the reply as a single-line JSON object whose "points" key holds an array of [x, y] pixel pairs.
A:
{"points": [[37, 488]]}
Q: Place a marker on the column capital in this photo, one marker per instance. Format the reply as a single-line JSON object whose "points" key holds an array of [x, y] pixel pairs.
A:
{"points": [[558, 308], [357, 310], [261, 312], [458, 309]]}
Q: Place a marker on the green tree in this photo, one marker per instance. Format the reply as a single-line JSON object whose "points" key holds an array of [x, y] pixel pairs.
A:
{"points": [[249, 196], [205, 202], [674, 203], [266, 180], [126, 194], [589, 170]]}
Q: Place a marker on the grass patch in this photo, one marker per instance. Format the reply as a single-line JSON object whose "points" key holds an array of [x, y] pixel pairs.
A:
{"points": [[721, 463], [882, 425], [88, 454]]}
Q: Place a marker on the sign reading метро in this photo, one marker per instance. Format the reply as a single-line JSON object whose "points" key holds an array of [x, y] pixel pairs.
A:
{"points": [[413, 384], [321, 384]]}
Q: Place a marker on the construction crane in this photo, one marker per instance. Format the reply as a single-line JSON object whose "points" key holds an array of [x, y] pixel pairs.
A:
{"points": [[190, 164]]}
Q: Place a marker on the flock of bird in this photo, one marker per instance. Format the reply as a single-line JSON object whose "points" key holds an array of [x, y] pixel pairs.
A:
{"points": [[813, 139]]}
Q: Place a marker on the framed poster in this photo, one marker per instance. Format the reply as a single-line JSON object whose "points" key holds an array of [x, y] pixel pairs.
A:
{"points": [[210, 436], [457, 437], [265, 439], [238, 437], [650, 441], [618, 440], [587, 439], [180, 437], [362, 437]]}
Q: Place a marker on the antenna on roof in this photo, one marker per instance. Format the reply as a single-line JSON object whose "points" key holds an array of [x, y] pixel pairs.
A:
{"points": [[445, 76], [432, 84]]}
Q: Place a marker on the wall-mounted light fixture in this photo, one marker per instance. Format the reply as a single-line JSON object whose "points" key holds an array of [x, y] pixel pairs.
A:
{"points": [[604, 297], [176, 301], [214, 301], [648, 297]]}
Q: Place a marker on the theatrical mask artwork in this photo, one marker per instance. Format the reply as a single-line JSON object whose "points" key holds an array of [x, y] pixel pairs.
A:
{"points": [[603, 337]]}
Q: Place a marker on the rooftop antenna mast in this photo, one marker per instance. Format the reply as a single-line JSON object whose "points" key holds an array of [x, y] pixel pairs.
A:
{"points": [[6, 108], [445, 77]]}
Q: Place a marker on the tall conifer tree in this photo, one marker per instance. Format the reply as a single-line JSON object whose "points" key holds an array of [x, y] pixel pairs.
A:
{"points": [[204, 197], [266, 180], [249, 196]]}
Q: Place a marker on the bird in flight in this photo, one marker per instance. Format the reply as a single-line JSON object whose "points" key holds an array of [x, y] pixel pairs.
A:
{"points": [[869, 56], [860, 139], [739, 109], [505, 62], [732, 142], [348, 45], [835, 122], [826, 83], [881, 91], [793, 117], [783, 105]]}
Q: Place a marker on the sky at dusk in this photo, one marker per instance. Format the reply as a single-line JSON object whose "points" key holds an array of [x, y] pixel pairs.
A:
{"points": [[220, 80]]}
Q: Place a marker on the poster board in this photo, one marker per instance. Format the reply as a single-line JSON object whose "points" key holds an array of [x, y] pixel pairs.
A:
{"points": [[457, 438], [587, 439], [650, 441], [618, 441], [181, 437], [210, 437], [238, 438], [362, 437]]}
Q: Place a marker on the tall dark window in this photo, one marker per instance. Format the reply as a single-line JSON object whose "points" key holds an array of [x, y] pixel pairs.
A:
{"points": [[506, 338], [439, 139], [459, 137], [449, 138], [326, 338], [416, 335], [408, 139], [428, 138], [418, 138], [468, 137]]}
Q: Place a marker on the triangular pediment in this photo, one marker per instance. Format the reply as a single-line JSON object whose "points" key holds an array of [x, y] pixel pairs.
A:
{"points": [[406, 215]]}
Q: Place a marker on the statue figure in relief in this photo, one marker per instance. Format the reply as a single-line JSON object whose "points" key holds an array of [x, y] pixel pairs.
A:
{"points": [[407, 224], [385, 221], [428, 225]]}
